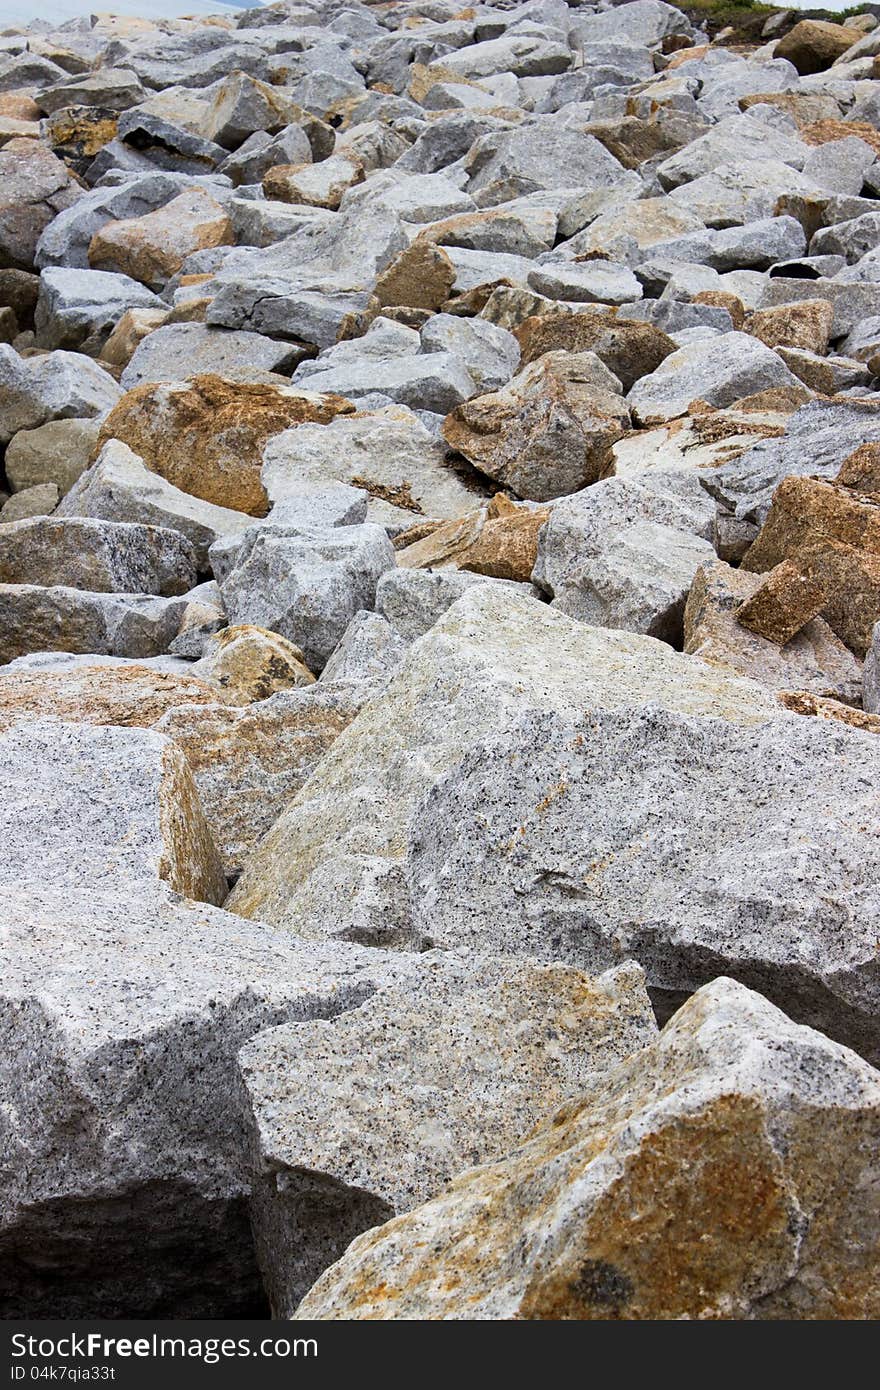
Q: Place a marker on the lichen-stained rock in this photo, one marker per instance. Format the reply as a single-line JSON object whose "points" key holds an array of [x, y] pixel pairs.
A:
{"points": [[125, 695], [630, 350], [815, 661], [723, 849], [307, 584], [206, 436], [806, 325], [549, 431], [60, 619], [334, 863], [34, 187], [114, 807], [250, 663], [103, 556], [119, 487], [718, 371], [122, 1019], [395, 1097], [57, 386], [314, 185], [249, 762], [388, 453], [500, 541], [728, 1170], [152, 248]]}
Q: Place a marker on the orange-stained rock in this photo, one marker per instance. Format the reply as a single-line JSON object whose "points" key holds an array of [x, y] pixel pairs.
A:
{"points": [[723, 299], [421, 277], [152, 248], [249, 663], [808, 511], [861, 471], [805, 325], [802, 702], [629, 349], [784, 602], [500, 541], [206, 435], [813, 44], [128, 695], [822, 132], [131, 330]]}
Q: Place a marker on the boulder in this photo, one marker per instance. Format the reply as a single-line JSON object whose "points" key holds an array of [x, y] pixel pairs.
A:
{"points": [[179, 351], [500, 541], [547, 433], [249, 663], [453, 1068], [153, 247], [815, 661], [412, 600], [369, 653], [57, 386], [80, 308], [420, 277], [814, 44], [39, 500], [36, 186], [783, 602], [206, 435], [629, 350], [314, 185], [102, 556], [127, 695], [718, 371], [806, 325], [61, 619], [731, 1099]]}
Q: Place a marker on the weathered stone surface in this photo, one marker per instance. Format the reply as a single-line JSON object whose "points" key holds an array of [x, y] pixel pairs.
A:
{"points": [[39, 500], [36, 185], [434, 381], [369, 653], [58, 386], [316, 185], [718, 371], [733, 1098], [860, 471], [805, 325], [784, 602], [206, 435], [249, 663], [179, 351], [452, 1069], [38, 619], [500, 654], [306, 584], [117, 805], [413, 600], [249, 762], [130, 331], [629, 350], [500, 541], [490, 354], [80, 308], [119, 487], [388, 453], [102, 556], [421, 277], [814, 661], [548, 432], [152, 248], [125, 695], [813, 44], [871, 677]]}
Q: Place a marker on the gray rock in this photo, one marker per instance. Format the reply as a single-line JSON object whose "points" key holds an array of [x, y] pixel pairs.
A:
{"points": [[37, 619], [119, 487], [177, 351], [871, 675], [167, 145], [733, 139], [436, 381], [112, 89], [863, 343], [741, 191], [370, 650], [36, 186], [102, 556], [127, 1069], [818, 437], [852, 301], [308, 584], [39, 500], [524, 55], [307, 505], [60, 385], [840, 166], [644, 22], [594, 282], [756, 246], [850, 239], [57, 452], [732, 1087], [450, 1069], [413, 600], [775, 886], [621, 64], [334, 863], [489, 353], [719, 371], [80, 308], [258, 221], [388, 453], [542, 154]]}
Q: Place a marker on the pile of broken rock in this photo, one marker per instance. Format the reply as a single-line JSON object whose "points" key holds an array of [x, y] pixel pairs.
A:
{"points": [[440, 691]]}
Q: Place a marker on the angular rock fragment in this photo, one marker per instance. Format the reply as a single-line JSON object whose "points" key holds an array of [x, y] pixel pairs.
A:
{"points": [[57, 452], [500, 541], [38, 619], [152, 248], [784, 602], [103, 556], [629, 350], [249, 663], [371, 1114], [717, 371], [57, 386], [125, 695], [732, 1099]]}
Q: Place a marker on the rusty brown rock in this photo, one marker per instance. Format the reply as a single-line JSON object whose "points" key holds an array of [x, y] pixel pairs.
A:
{"points": [[421, 277], [723, 1172], [822, 132], [805, 108], [813, 45], [77, 133], [129, 332], [782, 604], [206, 435], [723, 299], [500, 541], [152, 248], [629, 349], [808, 511], [549, 432], [851, 579], [316, 185], [804, 325], [861, 471], [819, 707], [126, 695]]}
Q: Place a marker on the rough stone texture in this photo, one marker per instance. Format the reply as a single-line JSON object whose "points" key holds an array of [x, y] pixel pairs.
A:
{"points": [[805, 325], [548, 432], [639, 1201], [370, 653], [249, 663], [178, 351], [413, 600], [493, 654], [34, 618], [500, 541], [629, 350], [36, 185], [248, 763], [57, 452], [718, 371], [152, 248], [119, 487], [115, 807], [314, 185], [306, 584], [103, 556], [57, 386], [388, 453], [871, 676], [206, 436], [814, 661], [784, 602], [125, 695], [393, 1099], [813, 45], [39, 500], [420, 277], [80, 308], [861, 471]]}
